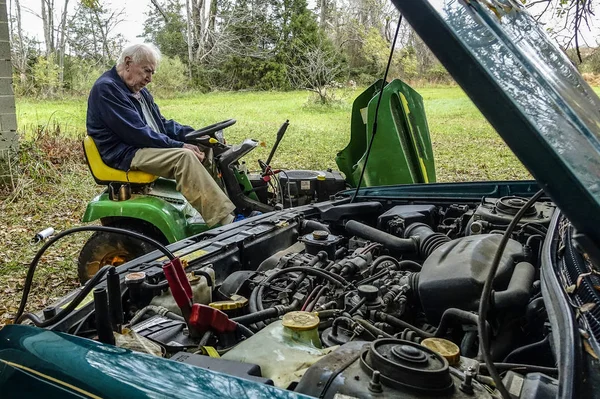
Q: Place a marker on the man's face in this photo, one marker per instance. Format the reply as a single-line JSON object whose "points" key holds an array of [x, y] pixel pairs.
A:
{"points": [[138, 75]]}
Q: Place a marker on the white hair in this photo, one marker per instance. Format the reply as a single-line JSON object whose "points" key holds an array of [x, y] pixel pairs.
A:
{"points": [[139, 53]]}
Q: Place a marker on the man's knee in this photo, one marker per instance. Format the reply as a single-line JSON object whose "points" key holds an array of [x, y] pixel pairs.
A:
{"points": [[187, 156]]}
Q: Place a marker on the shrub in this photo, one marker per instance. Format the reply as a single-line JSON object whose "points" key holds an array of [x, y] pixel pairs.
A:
{"points": [[45, 74], [171, 77], [82, 74]]}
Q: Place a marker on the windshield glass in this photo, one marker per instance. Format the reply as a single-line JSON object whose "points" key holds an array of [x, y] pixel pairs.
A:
{"points": [[537, 76], [526, 87]]}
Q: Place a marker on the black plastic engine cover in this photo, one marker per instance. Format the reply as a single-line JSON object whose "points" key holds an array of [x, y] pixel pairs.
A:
{"points": [[454, 274], [399, 217], [306, 186]]}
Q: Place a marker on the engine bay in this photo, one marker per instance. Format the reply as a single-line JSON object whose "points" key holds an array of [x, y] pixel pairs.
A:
{"points": [[368, 299]]}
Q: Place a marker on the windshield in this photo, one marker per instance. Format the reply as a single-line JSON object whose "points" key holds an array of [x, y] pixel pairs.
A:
{"points": [[526, 87]]}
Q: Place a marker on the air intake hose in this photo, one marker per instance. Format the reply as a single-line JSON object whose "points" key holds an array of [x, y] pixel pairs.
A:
{"points": [[519, 288], [389, 241], [419, 237], [427, 239]]}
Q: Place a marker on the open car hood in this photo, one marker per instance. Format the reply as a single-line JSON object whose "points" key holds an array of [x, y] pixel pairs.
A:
{"points": [[529, 91]]}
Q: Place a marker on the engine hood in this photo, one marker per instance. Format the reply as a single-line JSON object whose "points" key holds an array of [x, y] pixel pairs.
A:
{"points": [[529, 91]]}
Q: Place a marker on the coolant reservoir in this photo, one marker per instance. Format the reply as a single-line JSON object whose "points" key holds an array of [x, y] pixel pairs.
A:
{"points": [[285, 349], [201, 290]]}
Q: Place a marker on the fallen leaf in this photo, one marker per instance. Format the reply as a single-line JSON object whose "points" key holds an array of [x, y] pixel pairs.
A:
{"points": [[586, 307], [588, 348]]}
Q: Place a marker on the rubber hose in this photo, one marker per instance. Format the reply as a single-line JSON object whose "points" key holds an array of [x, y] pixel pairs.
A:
{"points": [[518, 292], [396, 322], [245, 331], [523, 349], [387, 240], [372, 329], [50, 242], [380, 260], [325, 314], [257, 316], [452, 314], [70, 307]]}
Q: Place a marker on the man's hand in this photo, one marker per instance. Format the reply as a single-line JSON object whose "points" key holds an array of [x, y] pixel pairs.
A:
{"points": [[195, 150]]}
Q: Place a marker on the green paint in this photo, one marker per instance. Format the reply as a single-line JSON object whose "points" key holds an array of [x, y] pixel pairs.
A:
{"points": [[402, 150]]}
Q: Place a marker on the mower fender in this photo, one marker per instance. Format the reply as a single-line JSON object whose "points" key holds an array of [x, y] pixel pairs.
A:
{"points": [[164, 216]]}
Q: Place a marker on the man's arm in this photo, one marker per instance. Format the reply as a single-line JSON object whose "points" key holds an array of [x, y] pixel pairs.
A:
{"points": [[123, 119]]}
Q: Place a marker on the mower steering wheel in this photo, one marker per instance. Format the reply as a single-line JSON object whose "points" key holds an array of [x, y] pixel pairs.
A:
{"points": [[210, 129]]}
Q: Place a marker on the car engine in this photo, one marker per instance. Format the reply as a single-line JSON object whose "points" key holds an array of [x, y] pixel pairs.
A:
{"points": [[341, 300]]}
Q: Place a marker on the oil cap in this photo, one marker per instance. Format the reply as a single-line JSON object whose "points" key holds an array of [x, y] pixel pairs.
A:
{"points": [[321, 176], [447, 349], [300, 321], [235, 302]]}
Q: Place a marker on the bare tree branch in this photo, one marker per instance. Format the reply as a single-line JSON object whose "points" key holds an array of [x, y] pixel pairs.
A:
{"points": [[160, 10]]}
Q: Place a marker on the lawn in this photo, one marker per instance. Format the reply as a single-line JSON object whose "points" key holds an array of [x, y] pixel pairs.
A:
{"points": [[465, 145], [51, 195]]}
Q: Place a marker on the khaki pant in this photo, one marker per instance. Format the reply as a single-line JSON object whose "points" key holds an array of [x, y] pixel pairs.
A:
{"points": [[193, 181]]}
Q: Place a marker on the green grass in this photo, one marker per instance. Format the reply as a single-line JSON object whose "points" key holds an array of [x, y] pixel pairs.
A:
{"points": [[465, 145]]}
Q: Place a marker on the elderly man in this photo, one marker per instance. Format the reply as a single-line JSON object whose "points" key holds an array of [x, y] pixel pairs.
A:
{"points": [[131, 133]]}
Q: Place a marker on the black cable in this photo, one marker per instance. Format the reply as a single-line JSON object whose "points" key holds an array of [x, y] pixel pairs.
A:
{"points": [[376, 332], [383, 83], [357, 306], [520, 351], [484, 301], [380, 260], [70, 307], [313, 303], [398, 323], [525, 367], [245, 331], [373, 278], [287, 177], [38, 255], [256, 299]]}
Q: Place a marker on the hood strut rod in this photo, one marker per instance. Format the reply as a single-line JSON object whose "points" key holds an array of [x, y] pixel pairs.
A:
{"points": [[383, 83]]}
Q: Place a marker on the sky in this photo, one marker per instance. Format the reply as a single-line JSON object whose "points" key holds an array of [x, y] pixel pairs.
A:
{"points": [[134, 16], [132, 26]]}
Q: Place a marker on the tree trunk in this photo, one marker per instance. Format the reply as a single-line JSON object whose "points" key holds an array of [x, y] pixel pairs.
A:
{"points": [[21, 60], [46, 27], [201, 14], [323, 16], [103, 34], [190, 38], [62, 43]]}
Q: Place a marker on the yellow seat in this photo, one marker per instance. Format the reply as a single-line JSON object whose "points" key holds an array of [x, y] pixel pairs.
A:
{"points": [[104, 174]]}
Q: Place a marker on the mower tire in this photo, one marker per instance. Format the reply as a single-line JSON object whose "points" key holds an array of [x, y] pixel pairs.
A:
{"points": [[104, 248]]}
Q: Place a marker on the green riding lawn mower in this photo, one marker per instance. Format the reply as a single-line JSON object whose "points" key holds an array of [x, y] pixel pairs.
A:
{"points": [[152, 206]]}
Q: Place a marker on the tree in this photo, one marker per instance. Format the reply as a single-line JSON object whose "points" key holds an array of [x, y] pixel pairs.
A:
{"points": [[316, 70], [165, 26], [568, 19], [92, 33]]}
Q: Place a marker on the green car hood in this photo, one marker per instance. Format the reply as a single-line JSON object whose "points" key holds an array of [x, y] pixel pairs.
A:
{"points": [[40, 363], [529, 91]]}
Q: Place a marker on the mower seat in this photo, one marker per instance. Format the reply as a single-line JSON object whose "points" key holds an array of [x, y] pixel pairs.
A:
{"points": [[104, 174]]}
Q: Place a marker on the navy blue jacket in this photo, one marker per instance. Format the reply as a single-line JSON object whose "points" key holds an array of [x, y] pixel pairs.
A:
{"points": [[116, 123]]}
